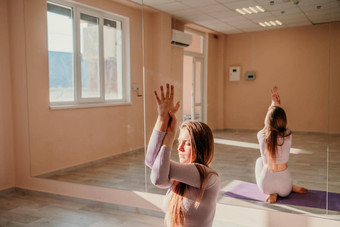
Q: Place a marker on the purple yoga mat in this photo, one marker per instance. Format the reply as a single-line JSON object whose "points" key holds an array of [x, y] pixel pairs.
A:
{"points": [[313, 198]]}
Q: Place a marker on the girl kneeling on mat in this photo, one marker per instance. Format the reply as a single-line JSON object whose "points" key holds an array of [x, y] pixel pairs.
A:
{"points": [[271, 170]]}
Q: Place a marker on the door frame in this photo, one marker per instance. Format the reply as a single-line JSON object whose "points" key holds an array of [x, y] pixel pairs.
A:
{"points": [[204, 79]]}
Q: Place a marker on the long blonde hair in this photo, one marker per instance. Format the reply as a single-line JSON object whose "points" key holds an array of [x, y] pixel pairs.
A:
{"points": [[202, 143]]}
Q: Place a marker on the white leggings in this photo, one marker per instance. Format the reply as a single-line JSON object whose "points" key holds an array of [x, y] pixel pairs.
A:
{"points": [[270, 182]]}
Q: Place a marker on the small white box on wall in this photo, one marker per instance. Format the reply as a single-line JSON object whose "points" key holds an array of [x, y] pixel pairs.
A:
{"points": [[234, 73]]}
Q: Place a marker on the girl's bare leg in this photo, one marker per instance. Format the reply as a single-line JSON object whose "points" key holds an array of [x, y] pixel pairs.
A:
{"points": [[271, 198], [299, 189]]}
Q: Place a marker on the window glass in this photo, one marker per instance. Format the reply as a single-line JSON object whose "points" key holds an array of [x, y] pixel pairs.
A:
{"points": [[60, 53], [88, 56], [113, 59], [89, 49]]}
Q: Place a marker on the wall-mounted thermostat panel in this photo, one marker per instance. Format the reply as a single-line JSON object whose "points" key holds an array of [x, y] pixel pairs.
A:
{"points": [[234, 73], [249, 76]]}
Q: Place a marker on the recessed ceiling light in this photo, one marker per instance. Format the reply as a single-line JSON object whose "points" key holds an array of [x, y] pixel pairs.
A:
{"points": [[260, 8], [254, 10], [270, 23], [278, 22], [240, 11], [262, 24], [246, 10], [250, 10]]}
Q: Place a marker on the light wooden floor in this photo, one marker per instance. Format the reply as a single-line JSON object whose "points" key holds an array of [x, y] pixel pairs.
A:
{"points": [[234, 160], [22, 209]]}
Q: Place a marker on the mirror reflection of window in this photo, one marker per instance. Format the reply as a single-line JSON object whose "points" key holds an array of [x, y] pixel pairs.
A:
{"points": [[100, 72], [89, 50], [60, 52], [113, 56]]}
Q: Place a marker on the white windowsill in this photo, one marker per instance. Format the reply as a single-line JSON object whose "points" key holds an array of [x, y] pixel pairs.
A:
{"points": [[87, 105]]}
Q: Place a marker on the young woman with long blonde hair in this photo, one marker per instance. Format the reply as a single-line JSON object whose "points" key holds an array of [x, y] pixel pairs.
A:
{"points": [[192, 185], [275, 139]]}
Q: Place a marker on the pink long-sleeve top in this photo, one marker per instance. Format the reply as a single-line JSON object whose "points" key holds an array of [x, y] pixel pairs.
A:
{"points": [[164, 173]]}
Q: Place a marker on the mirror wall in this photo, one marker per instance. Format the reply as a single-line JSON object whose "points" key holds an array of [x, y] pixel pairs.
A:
{"points": [[74, 135], [104, 145]]}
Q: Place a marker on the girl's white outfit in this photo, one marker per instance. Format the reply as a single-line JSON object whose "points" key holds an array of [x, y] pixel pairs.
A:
{"points": [[270, 182]]}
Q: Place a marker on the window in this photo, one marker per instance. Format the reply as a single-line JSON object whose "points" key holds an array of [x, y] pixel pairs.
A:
{"points": [[88, 56]]}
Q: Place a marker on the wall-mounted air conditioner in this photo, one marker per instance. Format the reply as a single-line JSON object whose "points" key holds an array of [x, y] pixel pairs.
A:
{"points": [[181, 39]]}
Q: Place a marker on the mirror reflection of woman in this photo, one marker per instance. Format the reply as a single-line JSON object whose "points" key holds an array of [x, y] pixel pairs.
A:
{"points": [[275, 139], [192, 185]]}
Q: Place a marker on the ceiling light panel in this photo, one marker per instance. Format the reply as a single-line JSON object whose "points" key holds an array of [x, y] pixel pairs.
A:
{"points": [[250, 10], [272, 23]]}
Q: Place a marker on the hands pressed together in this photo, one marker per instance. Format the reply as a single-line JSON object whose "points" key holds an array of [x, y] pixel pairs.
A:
{"points": [[166, 120], [275, 96]]}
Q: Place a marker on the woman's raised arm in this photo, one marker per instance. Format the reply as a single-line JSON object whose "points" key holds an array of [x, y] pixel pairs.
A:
{"points": [[165, 105], [275, 97]]}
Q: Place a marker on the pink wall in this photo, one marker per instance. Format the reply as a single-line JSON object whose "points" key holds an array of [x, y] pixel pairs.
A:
{"points": [[16, 68], [6, 120], [298, 60], [163, 63], [216, 78], [23, 178], [64, 138], [334, 82]]}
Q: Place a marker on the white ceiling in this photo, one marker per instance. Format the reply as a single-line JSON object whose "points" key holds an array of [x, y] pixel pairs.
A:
{"points": [[220, 15]]}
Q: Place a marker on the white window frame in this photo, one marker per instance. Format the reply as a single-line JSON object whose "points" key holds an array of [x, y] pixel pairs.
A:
{"points": [[80, 102]]}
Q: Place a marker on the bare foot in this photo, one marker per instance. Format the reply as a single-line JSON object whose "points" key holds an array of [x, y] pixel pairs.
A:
{"points": [[271, 198], [298, 189]]}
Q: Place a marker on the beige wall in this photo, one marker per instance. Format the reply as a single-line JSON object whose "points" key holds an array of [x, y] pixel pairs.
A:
{"points": [[55, 139], [6, 120], [216, 78], [334, 83], [163, 63], [64, 138], [298, 60], [14, 71]]}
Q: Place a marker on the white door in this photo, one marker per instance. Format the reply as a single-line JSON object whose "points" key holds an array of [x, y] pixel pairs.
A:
{"points": [[193, 88]]}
